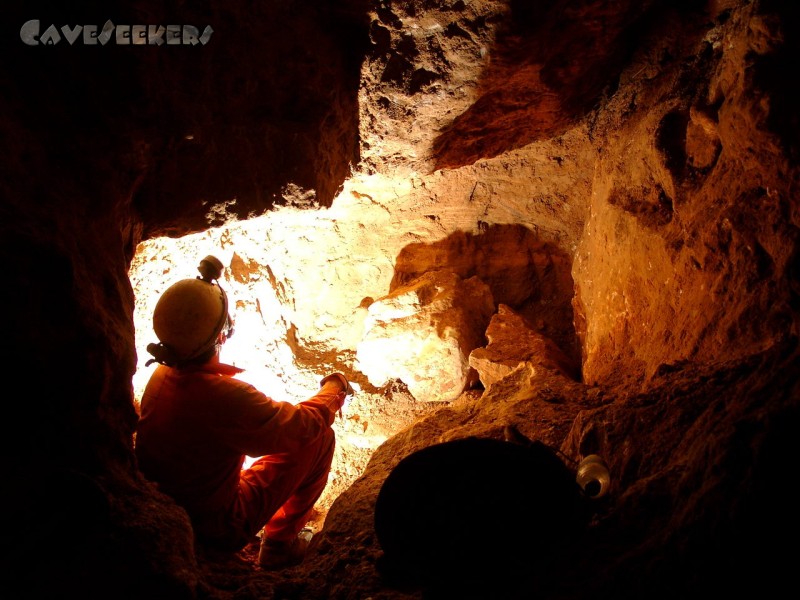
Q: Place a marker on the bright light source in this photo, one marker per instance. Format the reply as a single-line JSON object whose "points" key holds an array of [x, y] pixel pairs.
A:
{"points": [[293, 278]]}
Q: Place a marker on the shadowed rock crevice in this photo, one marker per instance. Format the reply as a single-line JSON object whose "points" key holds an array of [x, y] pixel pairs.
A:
{"points": [[283, 133], [257, 117], [627, 171], [529, 275]]}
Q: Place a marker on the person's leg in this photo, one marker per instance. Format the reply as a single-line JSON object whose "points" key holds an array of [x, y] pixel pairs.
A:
{"points": [[279, 491]]}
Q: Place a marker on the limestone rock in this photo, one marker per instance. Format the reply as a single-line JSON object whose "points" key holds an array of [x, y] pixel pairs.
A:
{"points": [[512, 341], [423, 332], [652, 145]]}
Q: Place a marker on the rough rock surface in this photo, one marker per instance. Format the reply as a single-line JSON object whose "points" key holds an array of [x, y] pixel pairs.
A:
{"points": [[423, 332], [692, 233], [512, 342], [523, 271], [651, 145]]}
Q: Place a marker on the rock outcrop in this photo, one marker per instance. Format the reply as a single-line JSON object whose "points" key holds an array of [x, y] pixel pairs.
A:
{"points": [[622, 175], [422, 334], [512, 342]]}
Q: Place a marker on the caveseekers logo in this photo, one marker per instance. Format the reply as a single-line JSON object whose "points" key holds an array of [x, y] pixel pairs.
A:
{"points": [[123, 35]]}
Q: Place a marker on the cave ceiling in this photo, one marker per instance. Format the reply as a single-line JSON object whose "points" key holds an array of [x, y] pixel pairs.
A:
{"points": [[612, 185]]}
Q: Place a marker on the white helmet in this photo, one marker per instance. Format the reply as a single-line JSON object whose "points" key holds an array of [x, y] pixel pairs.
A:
{"points": [[190, 315]]}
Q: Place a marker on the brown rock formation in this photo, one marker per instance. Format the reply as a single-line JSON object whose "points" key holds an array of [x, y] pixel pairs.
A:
{"points": [[624, 171], [512, 342], [423, 333]]}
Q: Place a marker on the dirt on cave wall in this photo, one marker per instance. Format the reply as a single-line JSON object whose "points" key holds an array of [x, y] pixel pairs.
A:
{"points": [[670, 178]]}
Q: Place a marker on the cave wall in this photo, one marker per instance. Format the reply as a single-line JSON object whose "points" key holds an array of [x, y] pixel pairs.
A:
{"points": [[254, 117], [688, 166], [690, 250], [102, 146]]}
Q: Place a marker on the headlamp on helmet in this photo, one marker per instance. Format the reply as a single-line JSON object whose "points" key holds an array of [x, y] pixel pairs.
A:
{"points": [[190, 316]]}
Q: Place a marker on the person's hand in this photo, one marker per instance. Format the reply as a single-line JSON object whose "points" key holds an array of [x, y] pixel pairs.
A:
{"points": [[341, 379], [346, 389]]}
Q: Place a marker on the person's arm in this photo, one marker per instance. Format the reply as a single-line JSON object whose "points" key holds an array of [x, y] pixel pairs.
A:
{"points": [[266, 426], [345, 389], [332, 393]]}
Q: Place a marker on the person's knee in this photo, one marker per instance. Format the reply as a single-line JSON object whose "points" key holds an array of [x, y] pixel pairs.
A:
{"points": [[324, 448], [328, 442]]}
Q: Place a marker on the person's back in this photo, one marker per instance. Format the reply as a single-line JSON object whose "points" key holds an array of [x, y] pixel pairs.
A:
{"points": [[198, 423], [177, 445]]}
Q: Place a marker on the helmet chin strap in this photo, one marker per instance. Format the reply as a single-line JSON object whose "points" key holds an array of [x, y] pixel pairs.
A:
{"points": [[161, 354], [164, 355], [227, 328]]}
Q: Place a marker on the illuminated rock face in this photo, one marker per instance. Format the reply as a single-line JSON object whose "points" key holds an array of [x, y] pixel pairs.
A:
{"points": [[651, 145], [690, 245], [422, 333], [513, 342], [523, 270]]}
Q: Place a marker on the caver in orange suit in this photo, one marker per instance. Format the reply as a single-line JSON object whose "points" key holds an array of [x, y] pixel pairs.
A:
{"points": [[198, 423]]}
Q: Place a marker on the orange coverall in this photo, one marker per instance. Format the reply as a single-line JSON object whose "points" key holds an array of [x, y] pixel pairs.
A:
{"points": [[196, 426]]}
